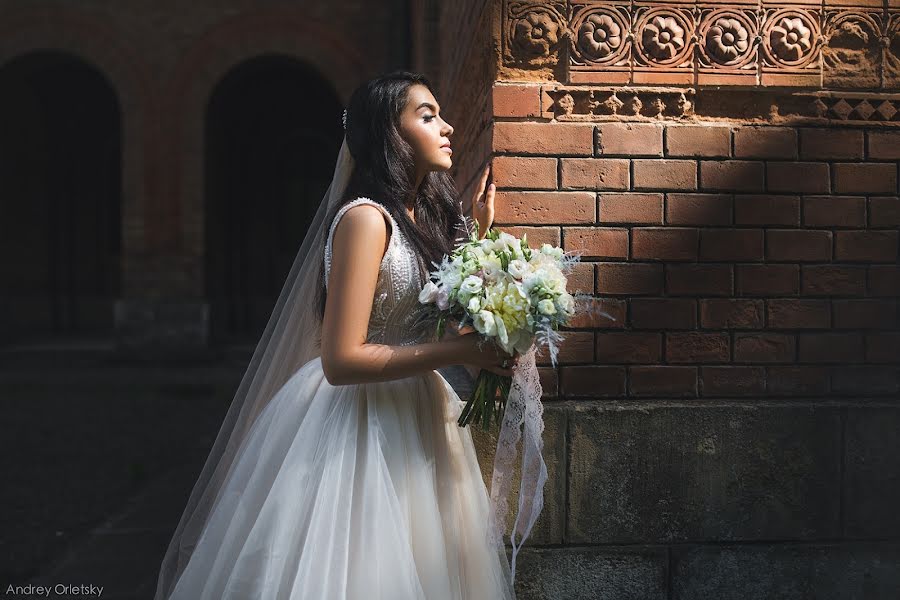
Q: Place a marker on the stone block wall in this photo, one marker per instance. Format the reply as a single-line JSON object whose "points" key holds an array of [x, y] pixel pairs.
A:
{"points": [[729, 173]]}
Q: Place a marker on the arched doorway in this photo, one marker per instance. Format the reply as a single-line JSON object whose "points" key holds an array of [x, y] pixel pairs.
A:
{"points": [[60, 200], [273, 131]]}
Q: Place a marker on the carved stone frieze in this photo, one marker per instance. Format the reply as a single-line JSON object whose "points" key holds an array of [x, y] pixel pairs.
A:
{"points": [[599, 103], [852, 44]]}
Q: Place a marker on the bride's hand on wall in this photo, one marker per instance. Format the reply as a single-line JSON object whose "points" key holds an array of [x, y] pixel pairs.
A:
{"points": [[483, 203]]}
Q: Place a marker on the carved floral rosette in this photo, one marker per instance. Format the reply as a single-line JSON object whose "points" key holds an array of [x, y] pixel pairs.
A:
{"points": [[533, 33], [744, 43]]}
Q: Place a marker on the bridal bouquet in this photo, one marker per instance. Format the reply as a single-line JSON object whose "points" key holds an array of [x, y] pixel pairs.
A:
{"points": [[509, 293]]}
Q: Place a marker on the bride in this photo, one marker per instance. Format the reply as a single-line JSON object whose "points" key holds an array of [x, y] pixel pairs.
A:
{"points": [[340, 471]]}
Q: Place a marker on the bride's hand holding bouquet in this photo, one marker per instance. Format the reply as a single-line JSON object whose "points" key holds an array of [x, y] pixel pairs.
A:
{"points": [[513, 296]]}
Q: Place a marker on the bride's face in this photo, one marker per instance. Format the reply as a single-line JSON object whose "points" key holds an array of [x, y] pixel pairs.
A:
{"points": [[423, 128]]}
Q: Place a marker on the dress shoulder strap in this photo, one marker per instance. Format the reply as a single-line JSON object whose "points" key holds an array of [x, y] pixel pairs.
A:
{"points": [[340, 213]]}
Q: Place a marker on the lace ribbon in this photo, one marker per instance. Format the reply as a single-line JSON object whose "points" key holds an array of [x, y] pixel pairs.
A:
{"points": [[522, 418]]}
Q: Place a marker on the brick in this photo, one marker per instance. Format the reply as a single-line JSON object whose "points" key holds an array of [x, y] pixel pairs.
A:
{"points": [[798, 177], [597, 242], [665, 175], [549, 380], [592, 381], [697, 347], [731, 244], [698, 209], [865, 178], [766, 209], [865, 379], [793, 313], [830, 347], [516, 100], [664, 243], [630, 139], [631, 208], [524, 172], [698, 140], [594, 173], [545, 139], [599, 313], [883, 347], [663, 313], [732, 175], [576, 347], [731, 313], [884, 145], [764, 347], [698, 280], [869, 246], [581, 279], [536, 236], [834, 211], [545, 208], [629, 278], [732, 381], [865, 314], [662, 380], [767, 280], [797, 380], [832, 280], [884, 211], [765, 142], [800, 245], [884, 280], [825, 143], [629, 347]]}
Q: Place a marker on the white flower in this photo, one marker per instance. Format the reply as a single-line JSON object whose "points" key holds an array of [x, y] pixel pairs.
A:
{"points": [[429, 293], [552, 251], [443, 298], [474, 304], [546, 307], [518, 268], [450, 279], [502, 335], [492, 267], [471, 285], [508, 242], [485, 323], [567, 303]]}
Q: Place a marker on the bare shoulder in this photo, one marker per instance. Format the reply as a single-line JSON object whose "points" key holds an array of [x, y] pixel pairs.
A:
{"points": [[361, 235]]}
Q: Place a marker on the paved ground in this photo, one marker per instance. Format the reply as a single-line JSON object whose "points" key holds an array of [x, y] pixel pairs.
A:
{"points": [[99, 460]]}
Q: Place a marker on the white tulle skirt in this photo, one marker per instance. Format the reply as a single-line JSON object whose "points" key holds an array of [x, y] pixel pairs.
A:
{"points": [[368, 491]]}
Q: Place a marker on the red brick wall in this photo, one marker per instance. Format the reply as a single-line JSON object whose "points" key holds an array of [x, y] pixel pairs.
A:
{"points": [[738, 259]]}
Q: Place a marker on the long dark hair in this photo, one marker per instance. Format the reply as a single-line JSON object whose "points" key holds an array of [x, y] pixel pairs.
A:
{"points": [[384, 170]]}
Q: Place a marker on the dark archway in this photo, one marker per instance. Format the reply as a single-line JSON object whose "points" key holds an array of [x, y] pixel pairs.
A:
{"points": [[60, 199], [273, 131]]}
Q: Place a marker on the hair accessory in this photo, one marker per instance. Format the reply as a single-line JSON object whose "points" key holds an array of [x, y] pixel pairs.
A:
{"points": [[344, 119]]}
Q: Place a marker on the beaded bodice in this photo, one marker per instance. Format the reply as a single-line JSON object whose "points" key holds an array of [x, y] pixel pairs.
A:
{"points": [[397, 317]]}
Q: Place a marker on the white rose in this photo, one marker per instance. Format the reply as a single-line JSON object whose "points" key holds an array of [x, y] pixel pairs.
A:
{"points": [[519, 268], [471, 285], [567, 304], [428, 293], [508, 241], [547, 307], [492, 267], [484, 323], [450, 279]]}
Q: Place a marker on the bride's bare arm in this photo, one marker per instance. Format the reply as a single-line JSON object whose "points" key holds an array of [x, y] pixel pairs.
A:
{"points": [[360, 240]]}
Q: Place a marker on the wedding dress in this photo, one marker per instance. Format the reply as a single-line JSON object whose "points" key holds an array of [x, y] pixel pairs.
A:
{"points": [[362, 491]]}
